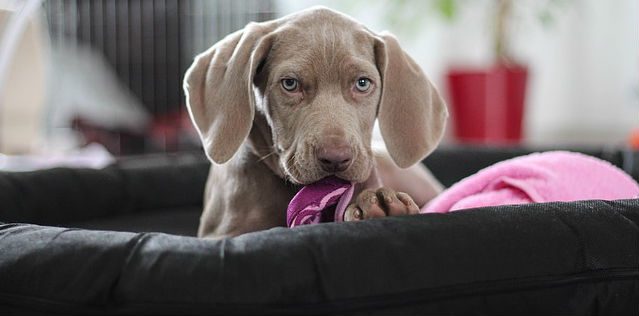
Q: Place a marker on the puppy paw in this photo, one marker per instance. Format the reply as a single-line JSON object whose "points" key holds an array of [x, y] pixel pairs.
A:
{"points": [[379, 203]]}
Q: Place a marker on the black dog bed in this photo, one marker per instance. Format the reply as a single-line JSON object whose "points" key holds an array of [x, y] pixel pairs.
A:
{"points": [[117, 241]]}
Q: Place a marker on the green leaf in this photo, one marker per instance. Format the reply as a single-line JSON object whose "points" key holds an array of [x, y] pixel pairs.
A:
{"points": [[447, 8], [545, 17]]}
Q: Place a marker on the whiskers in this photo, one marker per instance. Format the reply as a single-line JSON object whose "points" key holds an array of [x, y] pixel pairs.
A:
{"points": [[267, 155], [290, 168]]}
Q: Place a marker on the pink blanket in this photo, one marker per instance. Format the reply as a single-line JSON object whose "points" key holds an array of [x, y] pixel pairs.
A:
{"points": [[535, 178]]}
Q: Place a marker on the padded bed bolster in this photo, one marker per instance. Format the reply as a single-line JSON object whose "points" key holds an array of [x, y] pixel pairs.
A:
{"points": [[577, 258], [60, 196]]}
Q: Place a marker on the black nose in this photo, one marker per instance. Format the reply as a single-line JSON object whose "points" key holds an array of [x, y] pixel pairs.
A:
{"points": [[334, 158]]}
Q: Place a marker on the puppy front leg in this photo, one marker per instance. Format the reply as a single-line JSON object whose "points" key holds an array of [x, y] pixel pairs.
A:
{"points": [[392, 191], [417, 181], [243, 197], [380, 203]]}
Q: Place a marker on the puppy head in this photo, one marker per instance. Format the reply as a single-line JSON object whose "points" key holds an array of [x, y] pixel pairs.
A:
{"points": [[320, 79]]}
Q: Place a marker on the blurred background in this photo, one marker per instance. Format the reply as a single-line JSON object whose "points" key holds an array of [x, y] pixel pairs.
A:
{"points": [[83, 82]]}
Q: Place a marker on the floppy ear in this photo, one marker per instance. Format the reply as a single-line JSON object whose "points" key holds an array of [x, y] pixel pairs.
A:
{"points": [[412, 115], [219, 89]]}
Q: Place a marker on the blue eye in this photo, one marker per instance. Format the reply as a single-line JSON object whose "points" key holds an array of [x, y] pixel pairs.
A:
{"points": [[363, 84], [289, 84]]}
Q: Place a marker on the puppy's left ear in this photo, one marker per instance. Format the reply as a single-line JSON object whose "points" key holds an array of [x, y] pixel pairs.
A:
{"points": [[412, 115]]}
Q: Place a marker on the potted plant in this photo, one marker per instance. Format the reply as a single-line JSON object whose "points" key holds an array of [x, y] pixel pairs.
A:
{"points": [[488, 102]]}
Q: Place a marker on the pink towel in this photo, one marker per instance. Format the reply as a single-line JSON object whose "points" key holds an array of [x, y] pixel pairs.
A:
{"points": [[536, 178]]}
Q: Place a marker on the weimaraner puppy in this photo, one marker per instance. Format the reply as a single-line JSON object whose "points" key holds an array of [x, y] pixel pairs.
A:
{"points": [[284, 103]]}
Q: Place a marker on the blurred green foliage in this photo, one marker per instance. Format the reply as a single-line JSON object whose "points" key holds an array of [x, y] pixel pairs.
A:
{"points": [[409, 17]]}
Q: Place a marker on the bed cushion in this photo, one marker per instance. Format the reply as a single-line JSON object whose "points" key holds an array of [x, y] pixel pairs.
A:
{"points": [[579, 257]]}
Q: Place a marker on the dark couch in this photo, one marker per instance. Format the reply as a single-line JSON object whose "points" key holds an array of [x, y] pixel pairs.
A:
{"points": [[117, 241]]}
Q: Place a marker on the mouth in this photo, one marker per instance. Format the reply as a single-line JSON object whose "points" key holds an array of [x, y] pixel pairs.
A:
{"points": [[343, 175], [302, 171]]}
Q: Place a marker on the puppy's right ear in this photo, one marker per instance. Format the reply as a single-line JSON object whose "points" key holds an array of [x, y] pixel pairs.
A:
{"points": [[219, 89]]}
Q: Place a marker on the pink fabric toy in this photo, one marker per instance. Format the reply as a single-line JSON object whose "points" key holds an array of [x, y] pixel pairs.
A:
{"points": [[536, 178], [312, 204]]}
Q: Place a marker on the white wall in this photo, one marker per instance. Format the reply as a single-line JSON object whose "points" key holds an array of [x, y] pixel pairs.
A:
{"points": [[22, 111], [584, 84]]}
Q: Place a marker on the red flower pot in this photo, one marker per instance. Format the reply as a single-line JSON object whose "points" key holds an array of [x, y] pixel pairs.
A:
{"points": [[487, 105]]}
